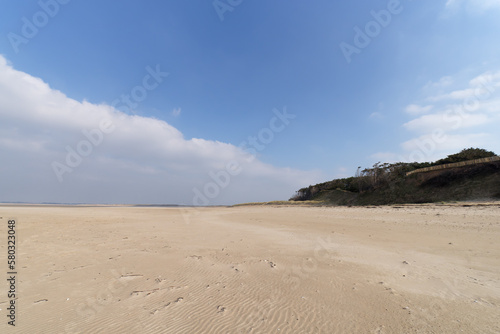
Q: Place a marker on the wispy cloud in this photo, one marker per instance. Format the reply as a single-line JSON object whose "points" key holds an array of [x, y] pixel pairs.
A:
{"points": [[479, 86], [439, 84], [176, 112], [445, 121], [452, 144], [415, 109], [458, 118], [376, 115], [473, 5]]}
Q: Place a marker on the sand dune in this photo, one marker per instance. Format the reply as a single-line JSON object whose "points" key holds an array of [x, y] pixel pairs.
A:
{"points": [[256, 269]]}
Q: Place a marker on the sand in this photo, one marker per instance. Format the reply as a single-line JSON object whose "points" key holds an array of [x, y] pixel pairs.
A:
{"points": [[255, 269]]}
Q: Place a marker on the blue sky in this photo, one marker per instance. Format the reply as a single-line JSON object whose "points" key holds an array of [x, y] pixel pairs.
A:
{"points": [[423, 82]]}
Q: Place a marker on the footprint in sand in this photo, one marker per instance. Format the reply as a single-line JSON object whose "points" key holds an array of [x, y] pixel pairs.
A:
{"points": [[40, 301]]}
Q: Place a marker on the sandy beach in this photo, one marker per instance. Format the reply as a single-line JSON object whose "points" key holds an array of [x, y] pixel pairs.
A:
{"points": [[254, 269]]}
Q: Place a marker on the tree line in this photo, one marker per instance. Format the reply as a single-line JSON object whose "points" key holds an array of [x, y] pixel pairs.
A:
{"points": [[385, 174]]}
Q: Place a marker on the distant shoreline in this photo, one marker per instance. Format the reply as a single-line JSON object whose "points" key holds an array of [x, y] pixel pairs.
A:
{"points": [[87, 205], [485, 202]]}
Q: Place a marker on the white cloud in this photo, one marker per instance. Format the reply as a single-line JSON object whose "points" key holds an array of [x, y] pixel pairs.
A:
{"points": [[491, 107], [142, 160], [415, 109]]}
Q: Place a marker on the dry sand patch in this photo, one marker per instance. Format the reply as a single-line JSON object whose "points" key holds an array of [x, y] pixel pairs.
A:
{"points": [[257, 269]]}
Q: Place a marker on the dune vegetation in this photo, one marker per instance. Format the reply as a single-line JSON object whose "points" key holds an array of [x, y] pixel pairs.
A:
{"points": [[472, 174]]}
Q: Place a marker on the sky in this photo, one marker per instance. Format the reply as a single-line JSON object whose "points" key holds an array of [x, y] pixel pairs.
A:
{"points": [[229, 101]]}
